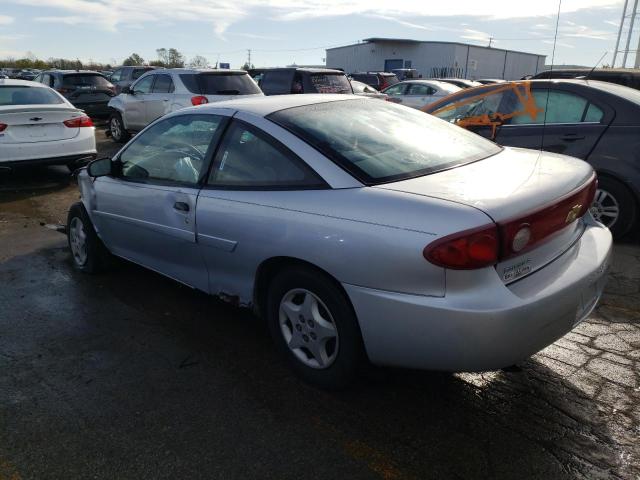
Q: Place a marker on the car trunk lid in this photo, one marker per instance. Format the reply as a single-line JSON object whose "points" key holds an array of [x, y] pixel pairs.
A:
{"points": [[543, 194], [37, 123]]}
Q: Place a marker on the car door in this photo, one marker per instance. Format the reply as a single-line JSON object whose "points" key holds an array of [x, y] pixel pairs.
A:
{"points": [[251, 171], [158, 101], [396, 93], [418, 95], [147, 212], [135, 115], [565, 122]]}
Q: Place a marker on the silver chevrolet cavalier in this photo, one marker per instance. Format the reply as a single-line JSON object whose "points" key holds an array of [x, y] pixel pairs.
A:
{"points": [[359, 229]]}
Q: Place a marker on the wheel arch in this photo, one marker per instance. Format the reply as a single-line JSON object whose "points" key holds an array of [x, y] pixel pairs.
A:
{"points": [[635, 193], [270, 267]]}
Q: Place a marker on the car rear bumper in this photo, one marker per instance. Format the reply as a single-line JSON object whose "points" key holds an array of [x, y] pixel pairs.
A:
{"points": [[58, 152], [482, 324], [77, 160]]}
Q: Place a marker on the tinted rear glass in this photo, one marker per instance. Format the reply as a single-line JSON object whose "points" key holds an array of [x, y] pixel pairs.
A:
{"points": [[138, 72], [366, 78], [86, 80], [330, 83], [219, 84], [21, 95], [411, 143]]}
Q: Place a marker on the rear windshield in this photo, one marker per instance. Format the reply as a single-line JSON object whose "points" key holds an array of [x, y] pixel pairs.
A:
{"points": [[379, 142], [330, 83], [86, 80], [369, 79], [390, 78], [219, 84], [23, 95]]}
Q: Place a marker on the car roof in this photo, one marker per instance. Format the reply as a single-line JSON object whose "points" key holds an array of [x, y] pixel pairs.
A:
{"points": [[265, 105], [219, 71], [17, 83], [439, 83], [302, 69]]}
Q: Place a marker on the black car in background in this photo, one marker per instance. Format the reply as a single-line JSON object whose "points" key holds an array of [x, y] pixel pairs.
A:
{"points": [[124, 76], [596, 121], [87, 90], [377, 80], [283, 81], [622, 76]]}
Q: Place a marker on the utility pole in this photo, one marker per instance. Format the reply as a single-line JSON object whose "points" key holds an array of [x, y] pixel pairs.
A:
{"points": [[490, 41], [249, 55], [634, 11], [624, 15]]}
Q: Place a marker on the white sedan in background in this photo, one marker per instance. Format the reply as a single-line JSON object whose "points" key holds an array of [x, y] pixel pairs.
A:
{"points": [[418, 93], [38, 126]]}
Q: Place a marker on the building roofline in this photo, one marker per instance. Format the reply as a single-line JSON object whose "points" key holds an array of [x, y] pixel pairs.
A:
{"points": [[411, 41]]}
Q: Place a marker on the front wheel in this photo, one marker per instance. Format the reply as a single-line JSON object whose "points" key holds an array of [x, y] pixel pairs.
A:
{"points": [[614, 206], [116, 128], [88, 253], [313, 325]]}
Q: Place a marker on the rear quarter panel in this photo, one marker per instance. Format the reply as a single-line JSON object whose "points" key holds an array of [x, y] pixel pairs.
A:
{"points": [[617, 154], [360, 236]]}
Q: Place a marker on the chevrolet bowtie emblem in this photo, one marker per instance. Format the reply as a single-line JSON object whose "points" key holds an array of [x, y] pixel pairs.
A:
{"points": [[35, 119], [573, 213]]}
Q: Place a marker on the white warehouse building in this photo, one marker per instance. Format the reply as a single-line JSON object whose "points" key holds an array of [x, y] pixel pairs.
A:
{"points": [[434, 59]]}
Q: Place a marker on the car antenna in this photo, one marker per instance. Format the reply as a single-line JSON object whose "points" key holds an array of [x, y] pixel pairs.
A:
{"points": [[595, 66], [553, 58]]}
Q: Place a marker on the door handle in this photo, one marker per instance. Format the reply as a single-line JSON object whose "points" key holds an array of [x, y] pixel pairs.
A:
{"points": [[572, 137], [181, 206], [165, 100]]}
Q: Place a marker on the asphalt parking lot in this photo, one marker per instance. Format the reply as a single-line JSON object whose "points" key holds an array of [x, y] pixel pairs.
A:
{"points": [[131, 375]]}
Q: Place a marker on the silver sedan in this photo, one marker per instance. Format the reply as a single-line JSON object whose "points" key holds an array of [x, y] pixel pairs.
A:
{"points": [[359, 230]]}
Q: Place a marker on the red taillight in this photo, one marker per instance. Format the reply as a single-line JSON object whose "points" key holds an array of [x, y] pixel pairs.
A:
{"points": [[83, 121], [465, 250], [3, 127], [199, 100], [523, 233], [488, 245]]}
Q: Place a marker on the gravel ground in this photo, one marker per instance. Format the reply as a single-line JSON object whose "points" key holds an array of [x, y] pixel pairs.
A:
{"points": [[130, 375]]}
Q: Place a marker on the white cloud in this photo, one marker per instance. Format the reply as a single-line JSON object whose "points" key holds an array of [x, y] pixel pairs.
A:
{"points": [[109, 14], [6, 20]]}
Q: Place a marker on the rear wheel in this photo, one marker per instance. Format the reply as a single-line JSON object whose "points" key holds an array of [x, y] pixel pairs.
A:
{"points": [[88, 253], [116, 128], [614, 206], [314, 327]]}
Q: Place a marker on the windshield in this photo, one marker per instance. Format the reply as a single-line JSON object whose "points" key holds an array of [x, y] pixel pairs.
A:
{"points": [[380, 142], [220, 84], [331, 83], [22, 95]]}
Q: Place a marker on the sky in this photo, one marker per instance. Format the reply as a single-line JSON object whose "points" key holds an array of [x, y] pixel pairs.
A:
{"points": [[283, 32]]}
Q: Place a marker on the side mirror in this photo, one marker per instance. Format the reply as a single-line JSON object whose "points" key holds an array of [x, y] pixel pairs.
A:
{"points": [[126, 90], [100, 167]]}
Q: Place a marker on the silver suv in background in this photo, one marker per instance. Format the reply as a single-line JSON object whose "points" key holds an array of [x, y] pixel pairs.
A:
{"points": [[159, 92], [125, 76]]}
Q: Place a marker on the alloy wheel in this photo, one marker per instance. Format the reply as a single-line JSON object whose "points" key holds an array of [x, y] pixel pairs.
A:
{"points": [[78, 241], [308, 328], [605, 208], [116, 130]]}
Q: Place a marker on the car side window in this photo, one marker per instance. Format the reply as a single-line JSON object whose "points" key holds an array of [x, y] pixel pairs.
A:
{"points": [[144, 85], [396, 89], [38, 79], [172, 150], [116, 76], [163, 84], [250, 159], [420, 89], [277, 82], [561, 107], [137, 73]]}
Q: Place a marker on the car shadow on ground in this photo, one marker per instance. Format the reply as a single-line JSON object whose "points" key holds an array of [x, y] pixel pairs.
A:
{"points": [[25, 182], [141, 359]]}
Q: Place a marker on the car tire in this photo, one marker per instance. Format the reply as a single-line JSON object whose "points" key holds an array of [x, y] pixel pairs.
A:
{"points": [[116, 127], [88, 253], [322, 341], [613, 197]]}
